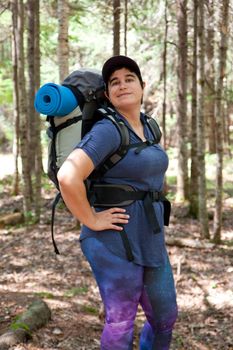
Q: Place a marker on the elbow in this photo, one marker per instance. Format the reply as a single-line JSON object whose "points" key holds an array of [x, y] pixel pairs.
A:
{"points": [[63, 178], [68, 179]]}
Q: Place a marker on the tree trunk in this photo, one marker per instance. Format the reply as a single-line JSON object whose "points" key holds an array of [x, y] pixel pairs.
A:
{"points": [[194, 159], [203, 215], [182, 173], [210, 80], [14, 10], [227, 129], [63, 45], [165, 78], [223, 28], [31, 82], [38, 153], [125, 26], [116, 27], [24, 146]]}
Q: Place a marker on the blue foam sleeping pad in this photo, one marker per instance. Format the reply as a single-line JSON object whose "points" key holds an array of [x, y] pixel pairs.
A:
{"points": [[55, 100]]}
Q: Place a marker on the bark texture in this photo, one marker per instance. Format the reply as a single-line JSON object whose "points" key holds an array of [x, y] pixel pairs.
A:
{"points": [[63, 43], [210, 80], [203, 215], [14, 11], [182, 172], [219, 116], [23, 113], [194, 159], [116, 26]]}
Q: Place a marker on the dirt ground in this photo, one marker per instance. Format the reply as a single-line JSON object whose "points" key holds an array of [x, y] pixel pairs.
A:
{"points": [[30, 270]]}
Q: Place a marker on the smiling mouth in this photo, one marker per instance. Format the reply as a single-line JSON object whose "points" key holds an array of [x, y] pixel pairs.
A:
{"points": [[125, 94]]}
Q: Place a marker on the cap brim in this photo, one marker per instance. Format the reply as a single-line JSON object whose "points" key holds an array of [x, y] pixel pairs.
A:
{"points": [[116, 62]]}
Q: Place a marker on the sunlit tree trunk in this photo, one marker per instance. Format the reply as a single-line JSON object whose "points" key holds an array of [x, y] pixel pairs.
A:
{"points": [[182, 171], [202, 205], [227, 128], [165, 77], [125, 26], [14, 10], [116, 26], [223, 28], [24, 145], [210, 79], [38, 153], [194, 159], [63, 44]]}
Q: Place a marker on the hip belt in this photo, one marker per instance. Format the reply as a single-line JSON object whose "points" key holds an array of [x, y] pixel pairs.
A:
{"points": [[110, 195]]}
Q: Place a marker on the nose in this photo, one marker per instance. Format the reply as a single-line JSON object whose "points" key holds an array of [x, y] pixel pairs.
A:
{"points": [[122, 84]]}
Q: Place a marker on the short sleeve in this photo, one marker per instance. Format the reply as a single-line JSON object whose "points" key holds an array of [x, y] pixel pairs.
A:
{"points": [[102, 141]]}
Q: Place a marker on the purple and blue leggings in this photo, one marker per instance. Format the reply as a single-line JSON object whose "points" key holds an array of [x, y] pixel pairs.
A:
{"points": [[123, 286]]}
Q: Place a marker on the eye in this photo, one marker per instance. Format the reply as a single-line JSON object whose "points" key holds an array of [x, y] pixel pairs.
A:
{"points": [[114, 83], [129, 80]]}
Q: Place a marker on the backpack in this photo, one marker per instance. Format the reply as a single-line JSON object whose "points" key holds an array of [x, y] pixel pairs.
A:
{"points": [[66, 131]]}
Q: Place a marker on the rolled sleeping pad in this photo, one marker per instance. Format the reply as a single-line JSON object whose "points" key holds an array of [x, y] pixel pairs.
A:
{"points": [[55, 100]]}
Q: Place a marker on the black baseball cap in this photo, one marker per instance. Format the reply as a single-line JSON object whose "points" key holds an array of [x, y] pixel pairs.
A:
{"points": [[118, 62]]}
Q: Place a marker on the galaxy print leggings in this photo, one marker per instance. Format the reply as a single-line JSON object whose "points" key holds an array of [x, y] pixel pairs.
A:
{"points": [[123, 286]]}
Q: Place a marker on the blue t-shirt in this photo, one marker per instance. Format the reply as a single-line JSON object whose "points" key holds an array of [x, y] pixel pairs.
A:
{"points": [[144, 171]]}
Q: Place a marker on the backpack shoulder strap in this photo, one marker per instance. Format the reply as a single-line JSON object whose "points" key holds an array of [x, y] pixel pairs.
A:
{"points": [[154, 128], [114, 158]]}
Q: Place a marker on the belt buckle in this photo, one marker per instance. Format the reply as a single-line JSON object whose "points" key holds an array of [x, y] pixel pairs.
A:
{"points": [[154, 196]]}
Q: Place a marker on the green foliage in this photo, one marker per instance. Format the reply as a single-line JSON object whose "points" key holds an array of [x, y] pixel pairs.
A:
{"points": [[19, 325], [89, 38], [46, 295], [47, 183], [30, 218], [5, 59], [90, 310], [82, 290], [48, 47], [6, 95], [229, 94], [171, 182], [178, 340]]}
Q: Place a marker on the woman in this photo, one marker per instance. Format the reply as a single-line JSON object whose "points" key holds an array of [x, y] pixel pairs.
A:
{"points": [[146, 279]]}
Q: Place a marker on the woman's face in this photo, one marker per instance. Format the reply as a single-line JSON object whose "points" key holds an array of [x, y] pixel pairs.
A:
{"points": [[124, 89]]}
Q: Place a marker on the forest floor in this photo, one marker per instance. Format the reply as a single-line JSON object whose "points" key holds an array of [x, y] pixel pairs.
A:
{"points": [[30, 270]]}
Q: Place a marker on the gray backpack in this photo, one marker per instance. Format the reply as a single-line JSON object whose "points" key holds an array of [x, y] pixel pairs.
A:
{"points": [[65, 132]]}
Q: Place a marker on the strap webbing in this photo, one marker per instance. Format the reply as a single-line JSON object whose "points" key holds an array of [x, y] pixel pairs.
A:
{"points": [[56, 129], [126, 244], [54, 205], [150, 213]]}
